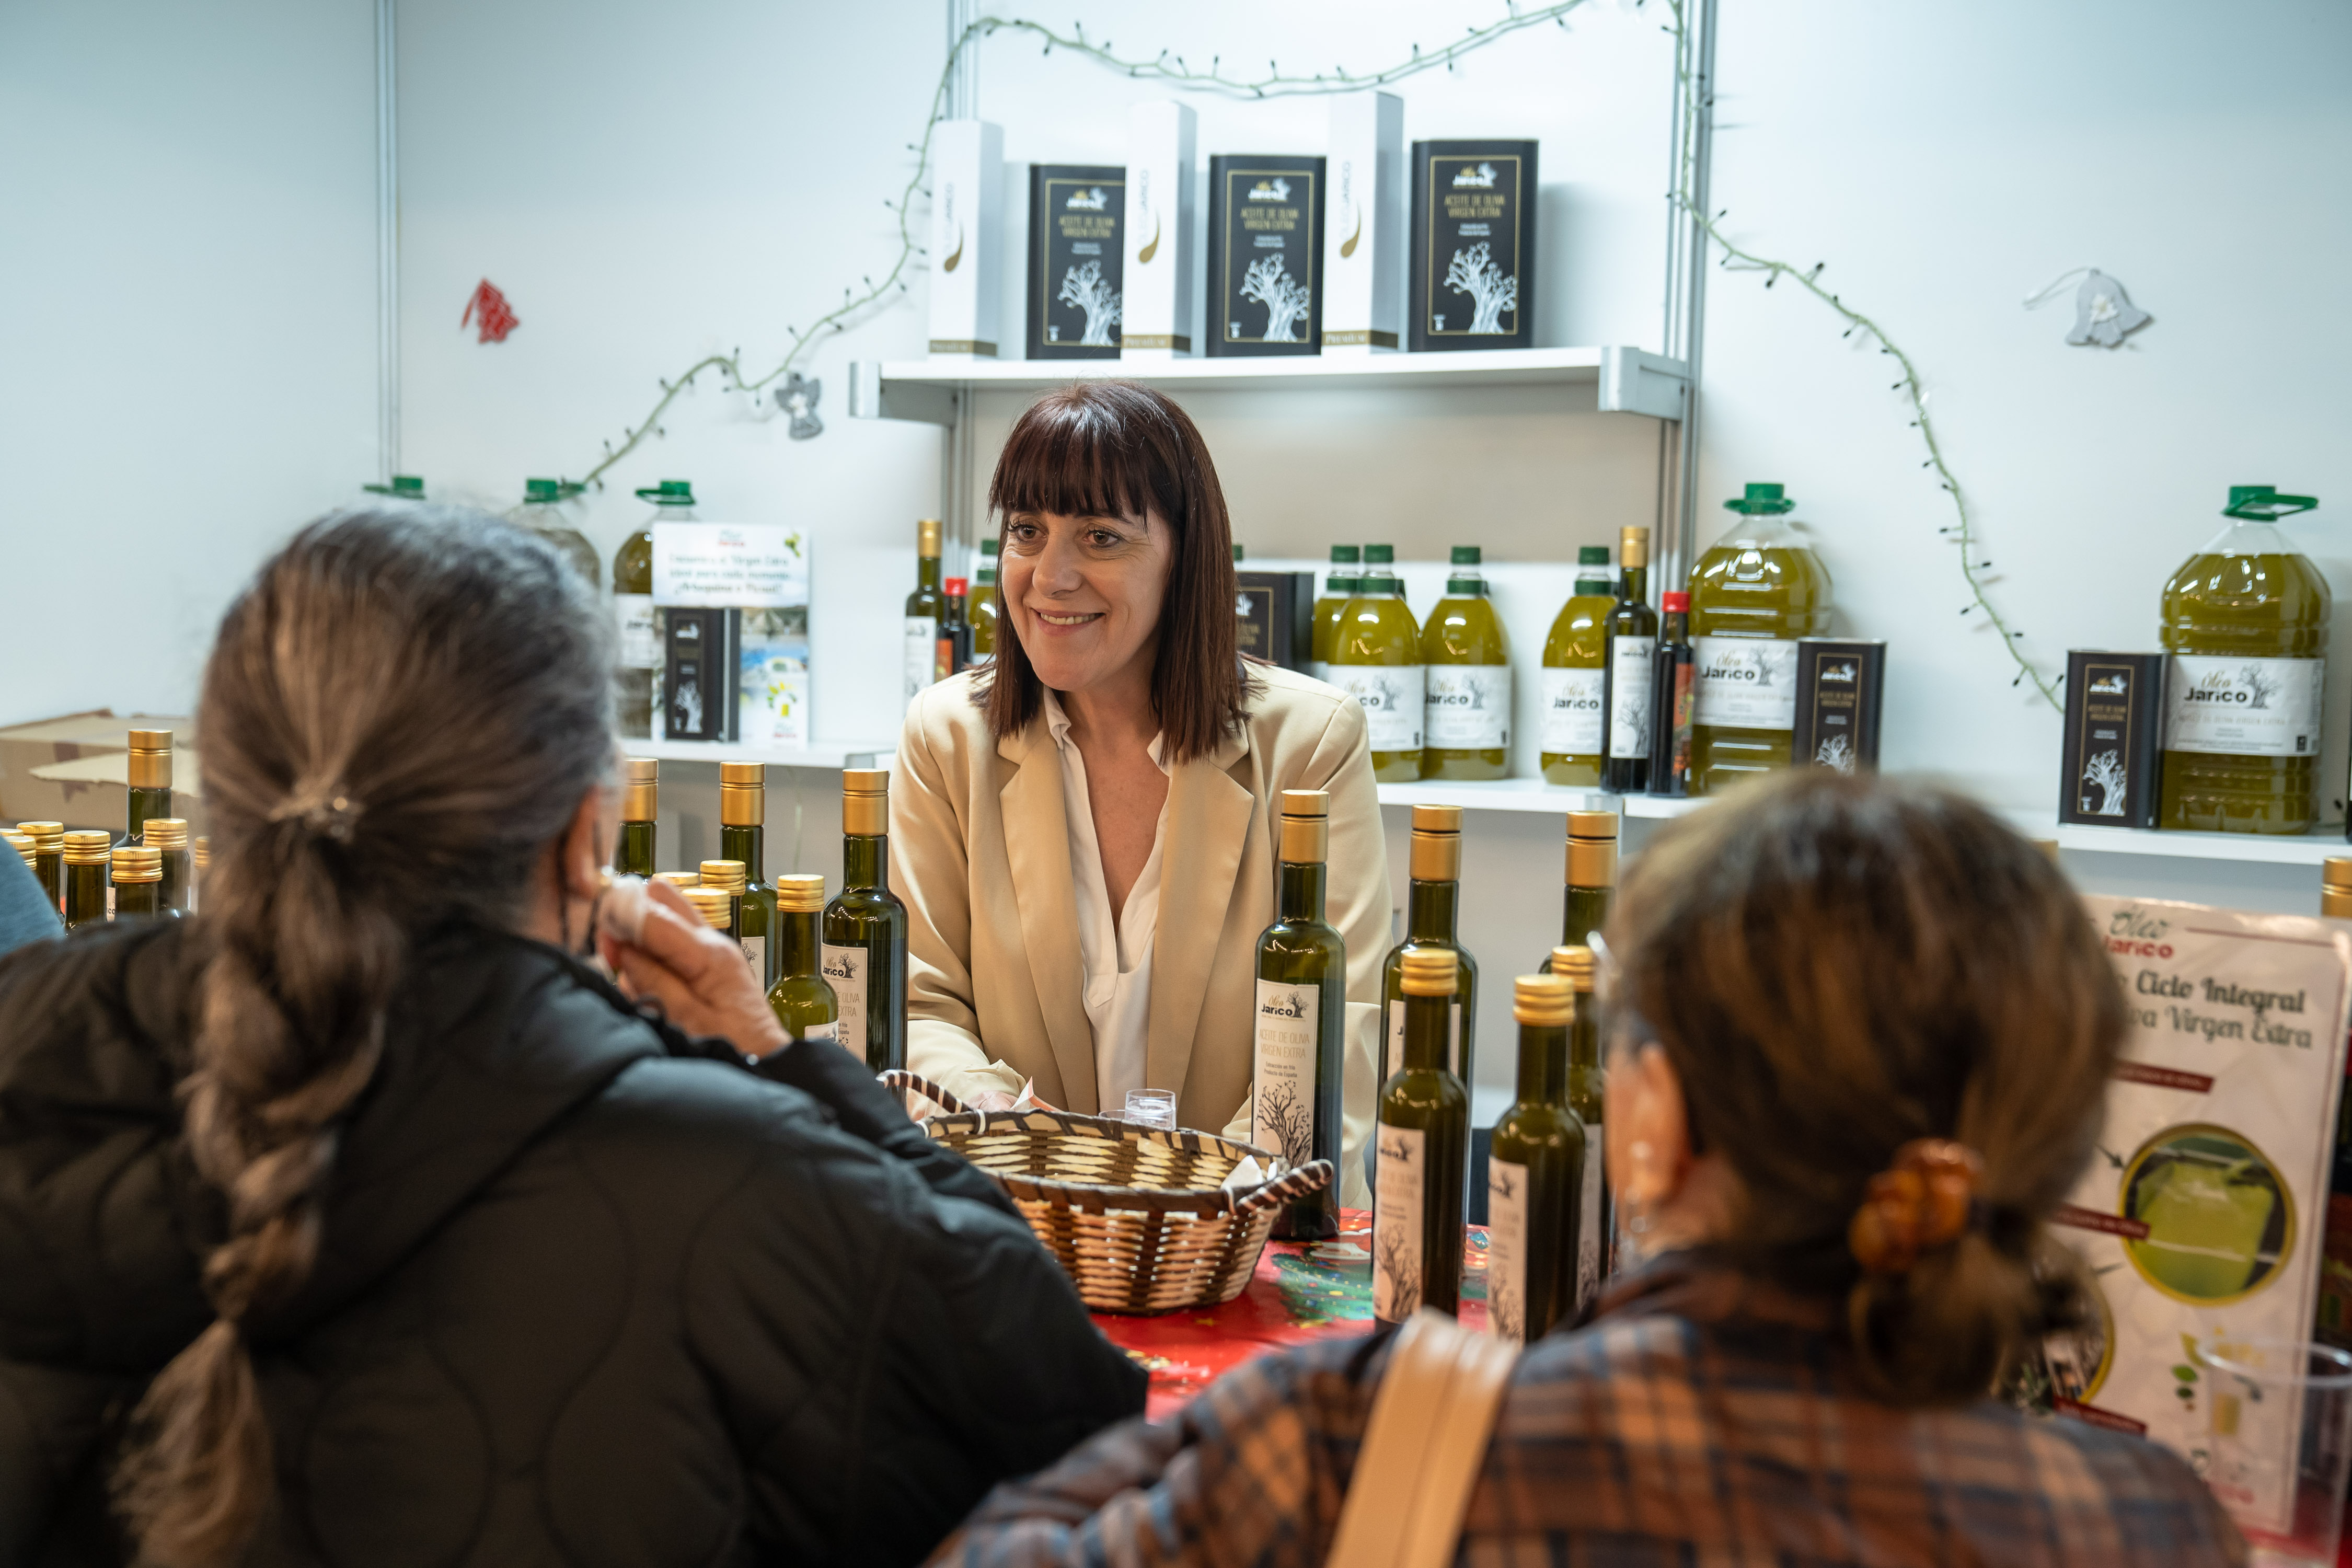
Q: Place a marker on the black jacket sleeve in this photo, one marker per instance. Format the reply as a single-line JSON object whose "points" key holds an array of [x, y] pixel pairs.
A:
{"points": [[863, 1108]]}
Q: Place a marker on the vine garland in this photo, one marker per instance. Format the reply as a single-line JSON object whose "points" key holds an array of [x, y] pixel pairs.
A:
{"points": [[1174, 71]]}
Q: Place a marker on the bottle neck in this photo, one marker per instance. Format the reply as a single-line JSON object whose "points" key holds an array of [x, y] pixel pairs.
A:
{"points": [[1586, 911], [85, 893], [747, 842], [1428, 1032], [926, 571], [1301, 893], [1584, 1034], [864, 860], [633, 856], [1676, 625], [138, 899], [796, 942], [1634, 585], [1430, 911], [1587, 587], [1543, 1064]]}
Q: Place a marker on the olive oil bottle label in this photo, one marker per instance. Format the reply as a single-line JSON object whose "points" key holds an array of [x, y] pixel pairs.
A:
{"points": [[640, 644], [922, 653], [1506, 1251], [1572, 711], [845, 971], [1393, 698], [1396, 1222], [2243, 706], [825, 1032], [1393, 1050], [1593, 1227], [1282, 1097], [1469, 707], [1629, 696], [1746, 683], [755, 954]]}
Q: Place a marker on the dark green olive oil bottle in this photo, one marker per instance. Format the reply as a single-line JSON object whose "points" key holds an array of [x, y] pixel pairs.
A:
{"points": [[1302, 1019], [633, 855], [1423, 1134], [1533, 1172], [800, 998], [866, 926], [742, 836]]}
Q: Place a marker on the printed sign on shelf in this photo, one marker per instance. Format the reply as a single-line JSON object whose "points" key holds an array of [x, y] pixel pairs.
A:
{"points": [[2201, 1213], [751, 567]]}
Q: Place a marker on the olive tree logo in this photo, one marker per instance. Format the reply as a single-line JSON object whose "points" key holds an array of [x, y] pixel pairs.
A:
{"points": [[1474, 272], [2260, 687], [1837, 752], [1084, 288], [1269, 283], [2103, 773], [1288, 1121]]}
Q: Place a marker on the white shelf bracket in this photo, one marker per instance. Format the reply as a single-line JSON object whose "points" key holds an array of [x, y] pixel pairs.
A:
{"points": [[871, 397], [1634, 382]]}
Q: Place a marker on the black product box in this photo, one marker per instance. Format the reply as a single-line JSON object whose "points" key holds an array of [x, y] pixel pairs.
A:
{"points": [[1277, 620], [1076, 264], [2115, 738], [699, 673], [1265, 255], [1840, 684], [1473, 246]]}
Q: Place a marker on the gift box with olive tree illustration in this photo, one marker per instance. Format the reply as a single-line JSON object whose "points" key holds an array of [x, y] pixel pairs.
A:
{"points": [[2201, 1212]]}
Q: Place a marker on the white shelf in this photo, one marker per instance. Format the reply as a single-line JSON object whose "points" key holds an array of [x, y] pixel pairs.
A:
{"points": [[1630, 380], [2283, 849], [820, 754], [1531, 795]]}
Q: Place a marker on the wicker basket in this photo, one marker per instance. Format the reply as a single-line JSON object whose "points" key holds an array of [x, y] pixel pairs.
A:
{"points": [[1133, 1214]]}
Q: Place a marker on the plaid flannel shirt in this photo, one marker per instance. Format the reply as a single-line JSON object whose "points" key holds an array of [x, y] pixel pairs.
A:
{"points": [[1699, 1419]]}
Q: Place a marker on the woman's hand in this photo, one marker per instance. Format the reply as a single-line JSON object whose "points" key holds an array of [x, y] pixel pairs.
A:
{"points": [[698, 975]]}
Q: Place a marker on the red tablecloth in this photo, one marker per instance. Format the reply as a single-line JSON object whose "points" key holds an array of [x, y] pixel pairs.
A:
{"points": [[1301, 1293]]}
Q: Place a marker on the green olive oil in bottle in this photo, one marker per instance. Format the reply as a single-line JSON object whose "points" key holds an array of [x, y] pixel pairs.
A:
{"points": [[1423, 1139], [983, 611], [1595, 1222], [149, 765], [1466, 724], [926, 612], [1752, 595], [799, 997], [1633, 638], [742, 836], [640, 653], [865, 958], [1340, 585], [1432, 904], [85, 854], [632, 853], [543, 512], [1533, 1171], [2245, 620], [1377, 661], [168, 836], [1302, 1019], [1574, 741], [1591, 876], [138, 882], [48, 858]]}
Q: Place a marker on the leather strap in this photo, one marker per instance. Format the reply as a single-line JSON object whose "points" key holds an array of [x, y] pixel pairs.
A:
{"points": [[1423, 1446]]}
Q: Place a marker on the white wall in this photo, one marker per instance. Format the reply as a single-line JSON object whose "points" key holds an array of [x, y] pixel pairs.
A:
{"points": [[187, 324]]}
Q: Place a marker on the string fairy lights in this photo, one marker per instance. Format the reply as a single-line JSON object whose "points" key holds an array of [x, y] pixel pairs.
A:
{"points": [[1174, 71]]}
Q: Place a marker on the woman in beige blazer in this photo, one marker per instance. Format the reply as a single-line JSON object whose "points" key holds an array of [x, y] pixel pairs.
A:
{"points": [[1083, 832]]}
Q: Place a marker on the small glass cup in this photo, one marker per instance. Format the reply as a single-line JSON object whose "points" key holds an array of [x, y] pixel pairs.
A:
{"points": [[2278, 1441], [1152, 1108]]}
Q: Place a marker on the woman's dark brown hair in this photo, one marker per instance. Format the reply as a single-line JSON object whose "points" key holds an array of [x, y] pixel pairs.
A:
{"points": [[1836, 966], [399, 715], [1114, 448]]}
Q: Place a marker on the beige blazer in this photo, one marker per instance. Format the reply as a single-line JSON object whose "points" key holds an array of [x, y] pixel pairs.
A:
{"points": [[980, 853]]}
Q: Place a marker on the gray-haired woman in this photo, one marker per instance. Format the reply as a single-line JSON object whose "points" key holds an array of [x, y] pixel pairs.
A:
{"points": [[355, 1220]]}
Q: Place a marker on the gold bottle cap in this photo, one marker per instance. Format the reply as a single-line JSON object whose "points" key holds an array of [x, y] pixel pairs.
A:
{"points": [[1592, 825], [1306, 834], [1634, 547], [1429, 971], [2336, 887], [149, 764], [1436, 852], [640, 789], [2048, 847], [866, 802], [1437, 819], [715, 905], [87, 847], [1591, 848], [678, 880], [203, 851], [743, 794], [1306, 802], [2335, 871], [927, 537], [166, 832], [50, 836], [800, 893], [21, 843], [1575, 963], [865, 781], [1544, 1000], [151, 739], [138, 863], [728, 876]]}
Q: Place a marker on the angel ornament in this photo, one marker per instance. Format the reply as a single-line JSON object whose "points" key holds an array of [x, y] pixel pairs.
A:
{"points": [[798, 397]]}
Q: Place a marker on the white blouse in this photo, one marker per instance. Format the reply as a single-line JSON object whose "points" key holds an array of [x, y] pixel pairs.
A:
{"points": [[1117, 955]]}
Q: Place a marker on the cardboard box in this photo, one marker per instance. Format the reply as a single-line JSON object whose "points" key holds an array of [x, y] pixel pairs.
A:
{"points": [[1158, 321], [75, 769], [1076, 261], [2113, 761], [967, 238], [1277, 617], [1363, 243]]}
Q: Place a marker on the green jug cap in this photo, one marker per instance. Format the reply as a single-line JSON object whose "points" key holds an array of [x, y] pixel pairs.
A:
{"points": [[1592, 556], [1761, 500], [1345, 554], [1237, 555], [669, 492], [1378, 554], [988, 547], [1463, 555], [404, 487], [546, 491], [2263, 502]]}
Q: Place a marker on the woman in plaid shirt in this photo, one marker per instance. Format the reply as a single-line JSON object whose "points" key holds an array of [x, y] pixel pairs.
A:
{"points": [[1859, 1037]]}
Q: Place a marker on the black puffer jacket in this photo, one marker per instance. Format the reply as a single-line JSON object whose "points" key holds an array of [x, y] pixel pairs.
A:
{"points": [[580, 1300]]}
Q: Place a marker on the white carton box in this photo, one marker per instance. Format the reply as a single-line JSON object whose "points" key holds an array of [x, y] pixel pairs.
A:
{"points": [[967, 238], [1159, 233], [1363, 237]]}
